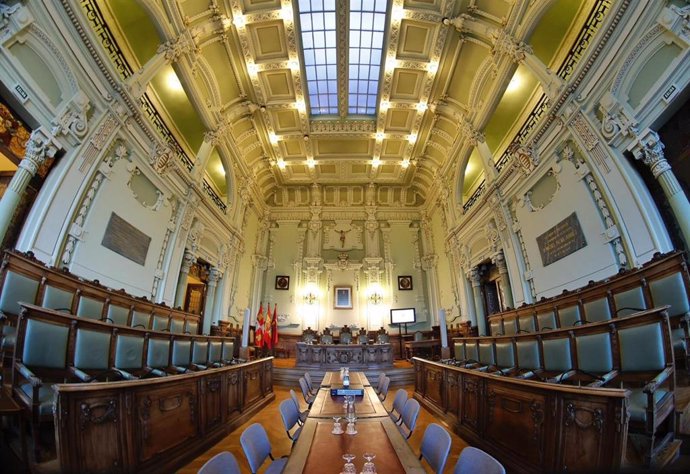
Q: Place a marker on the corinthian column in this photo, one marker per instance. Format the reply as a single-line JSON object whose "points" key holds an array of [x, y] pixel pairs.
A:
{"points": [[40, 147], [478, 303], [213, 277], [187, 261], [500, 261], [650, 150]]}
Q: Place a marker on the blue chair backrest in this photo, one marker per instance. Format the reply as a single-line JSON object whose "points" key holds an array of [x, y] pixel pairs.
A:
{"points": [[486, 353], [289, 414], [399, 400], [528, 355], [569, 315], [546, 321], [496, 326], [557, 357], [629, 301], [57, 298], [228, 350], [17, 287], [510, 326], [181, 353], [527, 324], [117, 314], [129, 351], [221, 463], [255, 445], [670, 290], [473, 460], [200, 352], [505, 357], [141, 319], [45, 345], [594, 353], [176, 326], [436, 446], [459, 351], [157, 355], [597, 310], [215, 351], [642, 348], [92, 349], [90, 308], [410, 413]]}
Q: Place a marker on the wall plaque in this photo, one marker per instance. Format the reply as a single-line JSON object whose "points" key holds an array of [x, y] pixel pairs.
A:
{"points": [[561, 240], [124, 239]]}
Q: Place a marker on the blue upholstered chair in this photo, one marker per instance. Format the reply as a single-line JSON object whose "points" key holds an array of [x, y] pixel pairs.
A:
{"points": [[486, 355], [228, 351], [176, 325], [379, 382], [629, 301], [308, 397], [222, 463], [459, 352], [505, 358], [290, 416], [398, 405], [181, 355], [191, 327], [570, 316], [215, 354], [129, 351], [92, 357], [303, 414], [382, 338], [546, 320], [435, 447], [529, 362], [418, 336], [409, 417], [595, 359], [510, 326], [199, 354], [40, 358], [672, 290], [527, 323], [473, 460], [57, 298], [558, 360], [383, 392], [117, 315], [326, 339], [362, 338], [90, 308], [15, 287], [496, 327], [647, 370], [160, 322], [140, 319], [158, 357], [597, 310], [313, 389], [257, 448]]}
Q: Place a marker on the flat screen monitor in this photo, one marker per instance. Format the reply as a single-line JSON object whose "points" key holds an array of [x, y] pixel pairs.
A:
{"points": [[403, 315]]}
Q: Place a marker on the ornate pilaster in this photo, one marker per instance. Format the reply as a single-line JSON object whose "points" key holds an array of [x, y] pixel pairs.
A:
{"points": [[475, 279], [188, 260], [499, 260], [40, 148], [650, 150], [213, 277]]}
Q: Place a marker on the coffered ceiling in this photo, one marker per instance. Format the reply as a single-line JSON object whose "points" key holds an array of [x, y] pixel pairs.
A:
{"points": [[246, 79]]}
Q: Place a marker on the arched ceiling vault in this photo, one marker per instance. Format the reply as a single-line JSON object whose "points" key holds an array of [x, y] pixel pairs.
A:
{"points": [[246, 80]]}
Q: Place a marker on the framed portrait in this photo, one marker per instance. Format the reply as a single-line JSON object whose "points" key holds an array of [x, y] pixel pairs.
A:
{"points": [[404, 282], [282, 282], [342, 297]]}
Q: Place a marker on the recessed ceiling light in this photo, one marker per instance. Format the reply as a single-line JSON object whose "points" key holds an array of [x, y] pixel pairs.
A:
{"points": [[380, 136], [422, 106], [432, 67], [281, 163], [173, 82], [286, 13], [294, 65], [412, 137], [239, 21], [384, 105], [376, 162], [405, 163], [273, 138], [514, 83], [398, 13], [301, 106], [310, 162]]}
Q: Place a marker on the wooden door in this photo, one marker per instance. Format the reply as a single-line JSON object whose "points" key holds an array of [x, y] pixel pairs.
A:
{"points": [[195, 298]]}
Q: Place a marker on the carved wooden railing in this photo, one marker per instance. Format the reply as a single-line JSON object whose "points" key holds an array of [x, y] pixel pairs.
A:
{"points": [[155, 425]]}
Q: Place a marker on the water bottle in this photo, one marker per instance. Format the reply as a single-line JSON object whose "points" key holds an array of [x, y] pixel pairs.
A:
{"points": [[346, 380]]}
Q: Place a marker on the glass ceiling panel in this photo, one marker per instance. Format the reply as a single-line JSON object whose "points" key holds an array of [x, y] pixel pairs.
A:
{"points": [[367, 26], [317, 19]]}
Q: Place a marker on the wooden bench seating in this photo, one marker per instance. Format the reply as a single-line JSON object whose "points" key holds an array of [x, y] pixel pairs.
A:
{"points": [[54, 347], [635, 353], [662, 281], [23, 278]]}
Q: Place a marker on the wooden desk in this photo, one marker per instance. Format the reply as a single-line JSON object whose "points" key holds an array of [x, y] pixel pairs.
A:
{"points": [[356, 378], [432, 346], [368, 406], [334, 356]]}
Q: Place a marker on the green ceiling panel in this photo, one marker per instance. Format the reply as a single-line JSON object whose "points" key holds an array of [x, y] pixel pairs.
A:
{"points": [[471, 57], [217, 173], [142, 36], [217, 56], [553, 28]]}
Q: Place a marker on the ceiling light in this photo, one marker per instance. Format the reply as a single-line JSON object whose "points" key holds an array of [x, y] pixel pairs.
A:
{"points": [[405, 163], [380, 136], [310, 162], [286, 13], [252, 68], [432, 67], [514, 83], [281, 163], [422, 106], [397, 13], [412, 137], [301, 106], [273, 138], [239, 21], [384, 105], [376, 162], [293, 65], [173, 82]]}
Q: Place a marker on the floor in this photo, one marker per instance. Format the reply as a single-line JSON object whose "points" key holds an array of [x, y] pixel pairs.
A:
{"points": [[270, 419]]}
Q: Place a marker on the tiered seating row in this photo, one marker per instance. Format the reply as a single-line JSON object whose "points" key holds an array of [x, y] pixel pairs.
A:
{"points": [[56, 348], [662, 281], [497, 388], [24, 278]]}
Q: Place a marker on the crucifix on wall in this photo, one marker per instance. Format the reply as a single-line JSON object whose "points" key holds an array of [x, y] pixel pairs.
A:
{"points": [[343, 235]]}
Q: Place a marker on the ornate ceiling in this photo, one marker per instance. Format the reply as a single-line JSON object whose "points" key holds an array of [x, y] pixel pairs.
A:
{"points": [[242, 78]]}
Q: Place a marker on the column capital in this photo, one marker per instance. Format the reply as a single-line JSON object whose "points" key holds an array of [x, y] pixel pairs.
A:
{"points": [[475, 277], [650, 150], [472, 135], [213, 276], [174, 48], [505, 45], [458, 22], [429, 261], [40, 147], [499, 260], [188, 260]]}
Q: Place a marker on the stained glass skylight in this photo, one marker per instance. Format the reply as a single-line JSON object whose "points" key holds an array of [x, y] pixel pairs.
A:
{"points": [[367, 26], [317, 19]]}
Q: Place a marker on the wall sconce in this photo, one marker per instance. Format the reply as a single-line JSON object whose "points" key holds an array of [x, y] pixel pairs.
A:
{"points": [[310, 298], [375, 298]]}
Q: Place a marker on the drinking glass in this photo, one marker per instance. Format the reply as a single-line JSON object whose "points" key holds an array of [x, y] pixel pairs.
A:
{"points": [[337, 428], [349, 468], [369, 467]]}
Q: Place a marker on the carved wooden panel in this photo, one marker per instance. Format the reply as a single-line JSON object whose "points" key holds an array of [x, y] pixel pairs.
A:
{"points": [[268, 377], [452, 387], [434, 386], [419, 376], [99, 444], [213, 402], [515, 410], [583, 426], [252, 384], [166, 417], [234, 387], [469, 411]]}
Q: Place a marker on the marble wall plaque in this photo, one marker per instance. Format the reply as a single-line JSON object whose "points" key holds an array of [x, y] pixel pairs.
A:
{"points": [[561, 240], [124, 239]]}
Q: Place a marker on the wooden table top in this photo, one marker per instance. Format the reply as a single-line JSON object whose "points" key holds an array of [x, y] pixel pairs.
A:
{"points": [[319, 451], [356, 378], [423, 343], [368, 406]]}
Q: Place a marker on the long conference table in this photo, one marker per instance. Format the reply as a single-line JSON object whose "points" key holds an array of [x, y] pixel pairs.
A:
{"points": [[318, 451]]}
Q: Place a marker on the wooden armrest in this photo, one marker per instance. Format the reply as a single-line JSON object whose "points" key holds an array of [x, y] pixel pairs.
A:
{"points": [[125, 375], [604, 379], [561, 377], [651, 386], [81, 375], [28, 375]]}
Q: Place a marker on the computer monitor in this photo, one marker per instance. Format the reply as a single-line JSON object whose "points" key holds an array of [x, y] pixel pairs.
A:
{"points": [[403, 315]]}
